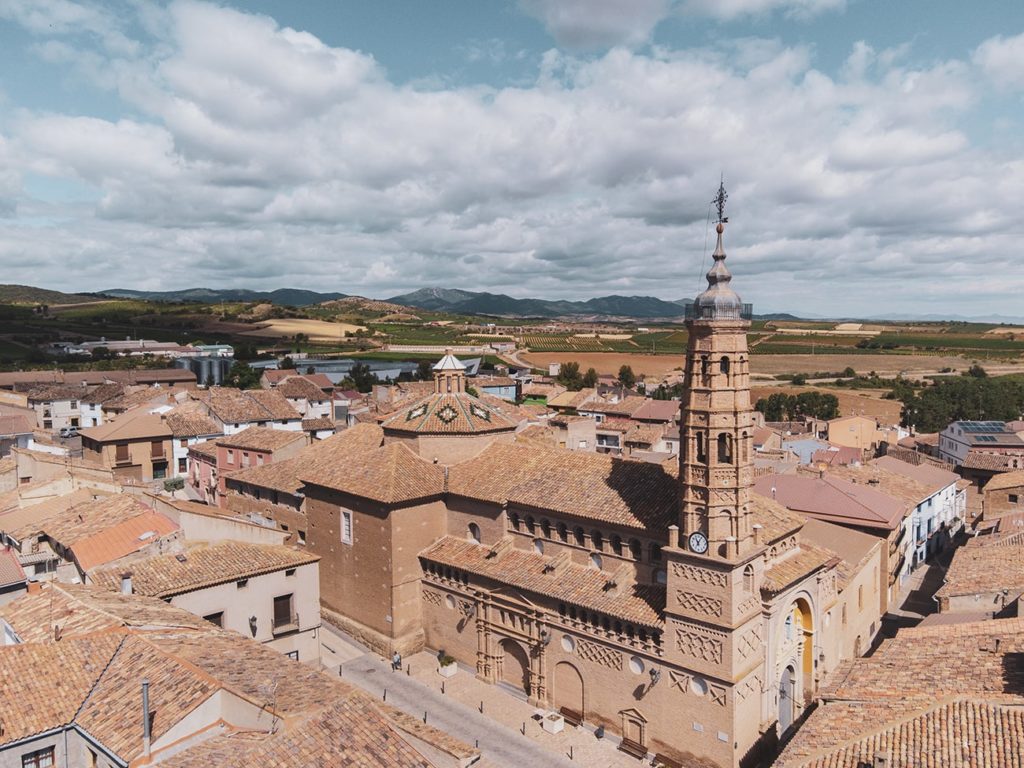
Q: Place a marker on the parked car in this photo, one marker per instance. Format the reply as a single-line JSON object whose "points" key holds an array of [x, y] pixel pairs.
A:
{"points": [[69, 431]]}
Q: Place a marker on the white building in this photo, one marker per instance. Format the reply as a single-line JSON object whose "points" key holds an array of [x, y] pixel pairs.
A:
{"points": [[960, 437]]}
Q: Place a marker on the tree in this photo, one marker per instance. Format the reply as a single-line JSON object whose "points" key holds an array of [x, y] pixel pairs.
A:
{"points": [[849, 372], [590, 378], [569, 376], [977, 372], [967, 398], [424, 371], [241, 376], [287, 364], [626, 376], [471, 391], [774, 407], [310, 370], [362, 377]]}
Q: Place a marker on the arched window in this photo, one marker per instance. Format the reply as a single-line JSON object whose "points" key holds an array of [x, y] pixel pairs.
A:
{"points": [[474, 532], [531, 524], [597, 539], [514, 519], [789, 627], [538, 546], [744, 448], [725, 448], [616, 544], [702, 448], [723, 365], [655, 553], [705, 365], [635, 550], [578, 536], [563, 532], [595, 560], [545, 528], [748, 578]]}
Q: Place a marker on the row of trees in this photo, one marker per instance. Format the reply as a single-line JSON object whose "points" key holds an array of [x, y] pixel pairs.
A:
{"points": [[782, 407], [972, 397], [569, 376]]}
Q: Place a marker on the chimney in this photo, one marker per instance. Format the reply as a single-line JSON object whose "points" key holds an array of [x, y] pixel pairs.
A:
{"points": [[146, 724], [126, 583]]}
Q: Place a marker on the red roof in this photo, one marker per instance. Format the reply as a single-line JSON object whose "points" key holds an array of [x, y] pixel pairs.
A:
{"points": [[832, 499], [10, 568], [122, 539]]}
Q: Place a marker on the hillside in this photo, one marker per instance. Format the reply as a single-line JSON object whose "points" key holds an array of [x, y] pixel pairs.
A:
{"points": [[287, 297], [27, 294], [469, 302]]}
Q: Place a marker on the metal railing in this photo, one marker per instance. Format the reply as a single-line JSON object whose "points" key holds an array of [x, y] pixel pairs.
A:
{"points": [[742, 312]]}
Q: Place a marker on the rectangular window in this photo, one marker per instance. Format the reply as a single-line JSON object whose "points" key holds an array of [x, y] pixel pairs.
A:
{"points": [[216, 618], [302, 536], [73, 404], [293, 655], [183, 442], [230, 456], [156, 449], [160, 471], [259, 458], [242, 583], [182, 465], [245, 458], [47, 424], [74, 421], [41, 758], [1014, 498], [283, 616], [346, 527], [121, 452], [289, 572]]}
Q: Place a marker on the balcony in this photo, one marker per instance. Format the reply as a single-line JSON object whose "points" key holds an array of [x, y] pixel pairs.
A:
{"points": [[743, 312], [284, 625]]}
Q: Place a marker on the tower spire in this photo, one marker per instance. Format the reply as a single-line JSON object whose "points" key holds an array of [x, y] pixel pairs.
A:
{"points": [[719, 301]]}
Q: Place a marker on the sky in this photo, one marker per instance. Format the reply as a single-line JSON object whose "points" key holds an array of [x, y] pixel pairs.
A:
{"points": [[873, 150]]}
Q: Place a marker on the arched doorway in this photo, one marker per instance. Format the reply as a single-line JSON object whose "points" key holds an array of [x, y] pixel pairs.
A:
{"points": [[515, 666], [805, 620], [787, 699], [568, 691]]}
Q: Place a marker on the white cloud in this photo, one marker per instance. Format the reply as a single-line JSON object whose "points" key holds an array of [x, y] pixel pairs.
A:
{"points": [[733, 9], [588, 24], [260, 156], [1002, 59]]}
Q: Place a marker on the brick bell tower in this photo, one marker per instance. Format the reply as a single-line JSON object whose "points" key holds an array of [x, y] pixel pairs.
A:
{"points": [[714, 625]]}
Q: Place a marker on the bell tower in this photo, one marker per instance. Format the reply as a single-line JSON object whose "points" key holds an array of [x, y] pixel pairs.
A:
{"points": [[715, 559]]}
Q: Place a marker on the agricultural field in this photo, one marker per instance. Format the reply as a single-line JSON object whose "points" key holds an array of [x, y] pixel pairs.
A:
{"points": [[316, 330]]}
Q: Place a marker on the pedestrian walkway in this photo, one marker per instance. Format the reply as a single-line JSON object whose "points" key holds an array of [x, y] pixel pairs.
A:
{"points": [[454, 706]]}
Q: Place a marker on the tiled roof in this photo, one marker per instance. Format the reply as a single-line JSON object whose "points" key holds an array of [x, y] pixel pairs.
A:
{"points": [[15, 425], [190, 420], [898, 485], [797, 565], [979, 569], [625, 407], [235, 406], [136, 425], [835, 456], [450, 414], [262, 439], [575, 483], [392, 474], [1005, 480], [103, 393], [645, 435], [15, 516], [832, 498], [932, 478], [540, 389], [569, 399], [576, 584], [206, 448], [121, 539], [79, 610], [993, 462], [661, 411], [81, 521], [317, 424], [201, 566], [775, 520], [932, 696], [49, 393], [135, 396], [284, 475], [300, 388], [10, 569]]}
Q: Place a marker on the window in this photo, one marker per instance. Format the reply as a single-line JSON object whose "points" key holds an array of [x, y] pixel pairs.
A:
{"points": [[230, 456], [160, 471], [578, 537], [860, 597], [47, 424], [1014, 498], [655, 553], [156, 449], [41, 758], [724, 448], [293, 655], [74, 421], [563, 532], [538, 546], [73, 404], [289, 572], [474, 532], [283, 616], [702, 448], [242, 583], [302, 536], [346, 527], [216, 619], [705, 365], [748, 579], [723, 365], [595, 560], [635, 550], [597, 539], [514, 519], [617, 544], [182, 466], [789, 627], [245, 458], [183, 442], [121, 452], [93, 758]]}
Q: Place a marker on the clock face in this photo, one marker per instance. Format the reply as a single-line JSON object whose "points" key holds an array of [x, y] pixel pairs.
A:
{"points": [[698, 542]]}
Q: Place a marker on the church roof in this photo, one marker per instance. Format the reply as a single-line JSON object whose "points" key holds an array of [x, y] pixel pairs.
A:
{"points": [[448, 414], [449, 363], [391, 475]]}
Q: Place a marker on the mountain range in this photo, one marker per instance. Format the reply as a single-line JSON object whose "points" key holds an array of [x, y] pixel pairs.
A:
{"points": [[472, 303], [288, 297]]}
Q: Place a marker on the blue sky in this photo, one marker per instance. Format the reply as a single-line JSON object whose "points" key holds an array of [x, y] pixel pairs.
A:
{"points": [[557, 148]]}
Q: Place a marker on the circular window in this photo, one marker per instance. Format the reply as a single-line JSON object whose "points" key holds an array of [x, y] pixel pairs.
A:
{"points": [[698, 686], [449, 602], [538, 546], [636, 665], [568, 644], [595, 560]]}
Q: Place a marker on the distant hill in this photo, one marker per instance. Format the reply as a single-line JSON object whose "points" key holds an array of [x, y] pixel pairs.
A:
{"points": [[27, 294], [287, 297], [472, 303]]}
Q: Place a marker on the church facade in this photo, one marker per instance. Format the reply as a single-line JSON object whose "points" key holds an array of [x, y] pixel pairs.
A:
{"points": [[671, 605]]}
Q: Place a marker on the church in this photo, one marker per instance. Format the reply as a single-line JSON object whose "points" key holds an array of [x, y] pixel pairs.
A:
{"points": [[673, 606]]}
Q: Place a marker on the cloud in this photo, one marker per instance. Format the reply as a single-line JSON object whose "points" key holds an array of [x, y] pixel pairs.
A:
{"points": [[1002, 59], [256, 155], [586, 24], [728, 10]]}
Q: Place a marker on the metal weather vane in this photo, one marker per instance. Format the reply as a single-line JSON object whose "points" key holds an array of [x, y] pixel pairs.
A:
{"points": [[719, 203]]}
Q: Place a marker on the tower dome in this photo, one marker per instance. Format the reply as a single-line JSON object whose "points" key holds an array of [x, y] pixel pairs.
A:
{"points": [[719, 301]]}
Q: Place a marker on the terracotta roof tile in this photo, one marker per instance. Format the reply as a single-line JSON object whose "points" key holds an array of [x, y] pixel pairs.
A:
{"points": [[994, 462], [317, 424], [10, 569], [576, 584], [980, 569], [190, 420], [200, 566], [121, 539], [455, 414], [136, 425], [833, 498], [235, 406], [1005, 480], [392, 474], [301, 388], [797, 565], [261, 439]]}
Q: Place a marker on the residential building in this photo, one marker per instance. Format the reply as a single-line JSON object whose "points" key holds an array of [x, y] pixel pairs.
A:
{"points": [[57, 406], [137, 446], [937, 695], [235, 409], [15, 430], [981, 467], [133, 681], [569, 402], [985, 577], [163, 377], [857, 431], [269, 593], [1003, 495], [189, 425], [306, 397], [504, 387], [961, 437], [252, 447], [13, 581]]}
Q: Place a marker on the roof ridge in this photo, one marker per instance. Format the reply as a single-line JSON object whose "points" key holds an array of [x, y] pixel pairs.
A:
{"points": [[853, 498], [96, 682]]}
